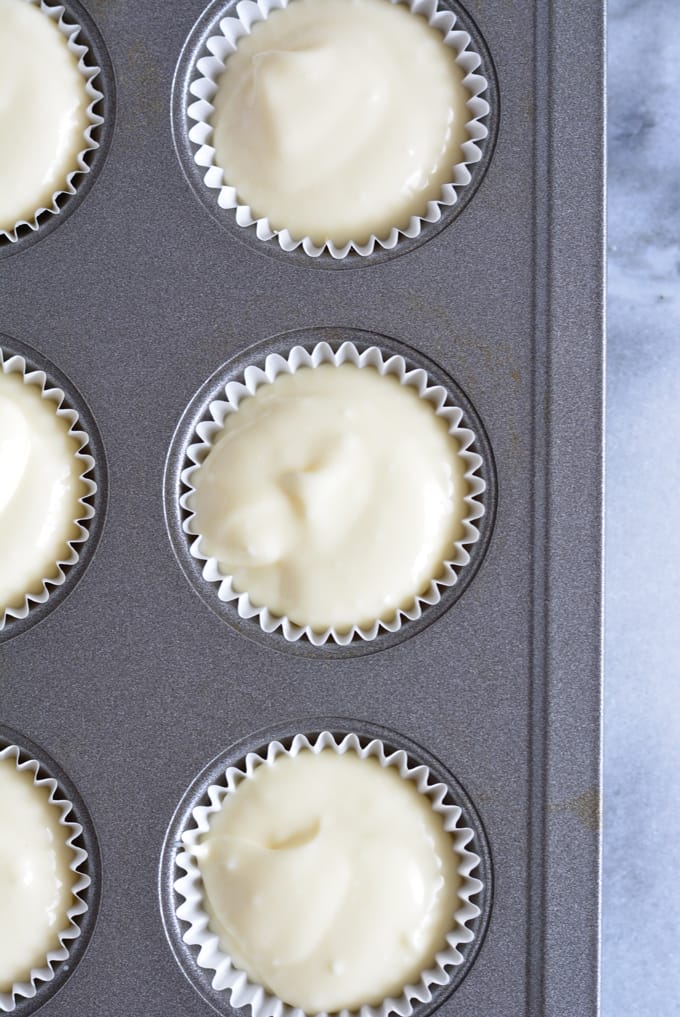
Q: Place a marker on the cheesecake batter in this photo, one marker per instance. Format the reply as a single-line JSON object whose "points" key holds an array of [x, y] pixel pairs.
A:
{"points": [[330, 880], [339, 119], [333, 496], [36, 882], [43, 112], [40, 487]]}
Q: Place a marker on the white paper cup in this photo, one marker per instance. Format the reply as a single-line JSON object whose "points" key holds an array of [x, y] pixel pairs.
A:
{"points": [[242, 992], [372, 357], [71, 31], [203, 88], [11, 363], [28, 988]]}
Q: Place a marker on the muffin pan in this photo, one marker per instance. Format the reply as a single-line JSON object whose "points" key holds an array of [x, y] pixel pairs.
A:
{"points": [[134, 685]]}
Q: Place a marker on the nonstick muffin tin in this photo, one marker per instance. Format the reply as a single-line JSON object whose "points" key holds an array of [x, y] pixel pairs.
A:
{"points": [[133, 685]]}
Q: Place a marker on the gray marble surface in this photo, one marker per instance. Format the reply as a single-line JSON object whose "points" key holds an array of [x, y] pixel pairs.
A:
{"points": [[641, 926]]}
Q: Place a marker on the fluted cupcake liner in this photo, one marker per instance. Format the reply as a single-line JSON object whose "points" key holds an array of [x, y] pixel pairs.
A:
{"points": [[16, 364], [227, 977], [322, 353], [28, 988], [71, 31], [204, 87]]}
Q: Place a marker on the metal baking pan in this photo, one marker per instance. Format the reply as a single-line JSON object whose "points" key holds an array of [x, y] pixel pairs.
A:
{"points": [[133, 685]]}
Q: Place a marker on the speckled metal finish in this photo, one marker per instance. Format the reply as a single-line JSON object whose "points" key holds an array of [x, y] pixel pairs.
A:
{"points": [[133, 685]]}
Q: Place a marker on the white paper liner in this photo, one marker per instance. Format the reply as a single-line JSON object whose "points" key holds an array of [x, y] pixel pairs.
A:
{"points": [[347, 353], [243, 993], [15, 364], [204, 88], [63, 19], [81, 881]]}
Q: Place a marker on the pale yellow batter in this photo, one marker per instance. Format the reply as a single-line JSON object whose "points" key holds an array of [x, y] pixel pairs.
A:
{"points": [[43, 112], [36, 882], [330, 880], [333, 496], [339, 119], [40, 487]]}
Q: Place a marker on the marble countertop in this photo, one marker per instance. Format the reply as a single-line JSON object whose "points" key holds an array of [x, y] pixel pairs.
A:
{"points": [[641, 903]]}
